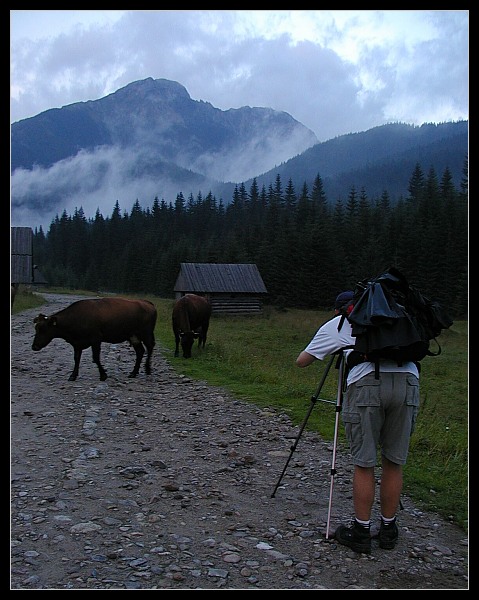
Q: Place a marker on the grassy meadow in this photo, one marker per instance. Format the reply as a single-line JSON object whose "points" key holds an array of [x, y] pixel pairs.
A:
{"points": [[254, 358]]}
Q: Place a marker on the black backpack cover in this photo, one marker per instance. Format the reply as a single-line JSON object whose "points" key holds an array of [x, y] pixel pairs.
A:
{"points": [[392, 319]]}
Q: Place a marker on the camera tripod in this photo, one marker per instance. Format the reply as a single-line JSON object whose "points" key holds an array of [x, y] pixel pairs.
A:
{"points": [[340, 365]]}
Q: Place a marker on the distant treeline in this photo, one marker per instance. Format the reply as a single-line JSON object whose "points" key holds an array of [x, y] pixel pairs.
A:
{"points": [[307, 247]]}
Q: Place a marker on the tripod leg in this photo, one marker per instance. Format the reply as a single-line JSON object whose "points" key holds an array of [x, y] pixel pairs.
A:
{"points": [[339, 398], [313, 402]]}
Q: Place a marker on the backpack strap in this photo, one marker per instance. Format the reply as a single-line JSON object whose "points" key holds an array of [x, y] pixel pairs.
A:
{"points": [[356, 358], [439, 349]]}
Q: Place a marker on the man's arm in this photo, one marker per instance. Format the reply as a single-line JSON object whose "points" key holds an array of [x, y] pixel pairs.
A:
{"points": [[305, 359]]}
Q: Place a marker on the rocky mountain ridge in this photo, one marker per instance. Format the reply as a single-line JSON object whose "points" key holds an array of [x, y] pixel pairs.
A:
{"points": [[151, 140]]}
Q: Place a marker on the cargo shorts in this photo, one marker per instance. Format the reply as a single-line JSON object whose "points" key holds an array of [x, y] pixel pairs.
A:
{"points": [[380, 414]]}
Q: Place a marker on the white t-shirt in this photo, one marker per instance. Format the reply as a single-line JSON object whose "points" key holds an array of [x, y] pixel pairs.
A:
{"points": [[328, 340]]}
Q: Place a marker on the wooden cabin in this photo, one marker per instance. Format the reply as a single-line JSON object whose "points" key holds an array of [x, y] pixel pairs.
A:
{"points": [[22, 267], [231, 288], [21, 255]]}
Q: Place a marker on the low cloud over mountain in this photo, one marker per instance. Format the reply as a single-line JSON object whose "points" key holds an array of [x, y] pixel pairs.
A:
{"points": [[148, 139]]}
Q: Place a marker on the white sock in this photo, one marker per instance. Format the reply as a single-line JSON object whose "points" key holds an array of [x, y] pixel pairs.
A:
{"points": [[363, 523], [387, 521]]}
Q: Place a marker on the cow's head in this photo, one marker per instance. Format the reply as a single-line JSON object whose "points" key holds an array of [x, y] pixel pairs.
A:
{"points": [[44, 331], [187, 340]]}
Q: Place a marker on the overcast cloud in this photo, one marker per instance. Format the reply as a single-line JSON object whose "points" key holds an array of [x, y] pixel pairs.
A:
{"points": [[337, 72]]}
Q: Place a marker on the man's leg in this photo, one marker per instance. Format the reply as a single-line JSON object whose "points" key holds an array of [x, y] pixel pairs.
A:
{"points": [[358, 536], [390, 493], [390, 489], [363, 492]]}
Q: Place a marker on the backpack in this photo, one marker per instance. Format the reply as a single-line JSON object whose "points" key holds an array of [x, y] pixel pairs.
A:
{"points": [[391, 319]]}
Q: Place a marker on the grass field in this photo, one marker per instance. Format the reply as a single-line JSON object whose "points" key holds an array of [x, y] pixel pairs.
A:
{"points": [[254, 358]]}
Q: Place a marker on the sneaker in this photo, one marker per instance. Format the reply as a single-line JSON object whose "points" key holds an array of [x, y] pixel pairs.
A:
{"points": [[388, 535], [356, 537]]}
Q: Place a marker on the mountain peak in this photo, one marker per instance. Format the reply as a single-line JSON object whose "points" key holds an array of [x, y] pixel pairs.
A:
{"points": [[154, 88]]}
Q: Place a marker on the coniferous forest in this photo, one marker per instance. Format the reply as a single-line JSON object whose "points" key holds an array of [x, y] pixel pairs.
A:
{"points": [[307, 247]]}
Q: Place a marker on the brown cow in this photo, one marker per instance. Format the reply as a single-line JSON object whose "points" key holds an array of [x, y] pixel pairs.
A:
{"points": [[88, 323], [190, 320]]}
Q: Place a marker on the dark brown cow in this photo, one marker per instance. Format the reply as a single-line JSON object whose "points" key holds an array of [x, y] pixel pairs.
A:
{"points": [[190, 320], [88, 323]]}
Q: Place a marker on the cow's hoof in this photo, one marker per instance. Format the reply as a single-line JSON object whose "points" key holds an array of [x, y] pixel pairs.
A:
{"points": [[72, 378], [132, 375], [103, 377]]}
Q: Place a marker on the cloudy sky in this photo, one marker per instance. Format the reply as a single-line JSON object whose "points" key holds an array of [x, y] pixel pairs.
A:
{"points": [[337, 72]]}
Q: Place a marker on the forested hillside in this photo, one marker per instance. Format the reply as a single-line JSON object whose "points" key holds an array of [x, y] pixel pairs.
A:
{"points": [[379, 159], [306, 247]]}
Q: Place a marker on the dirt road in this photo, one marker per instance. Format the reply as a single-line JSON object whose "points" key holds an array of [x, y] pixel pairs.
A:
{"points": [[163, 482]]}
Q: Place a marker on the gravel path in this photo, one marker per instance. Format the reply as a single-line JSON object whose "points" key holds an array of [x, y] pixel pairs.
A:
{"points": [[161, 482]]}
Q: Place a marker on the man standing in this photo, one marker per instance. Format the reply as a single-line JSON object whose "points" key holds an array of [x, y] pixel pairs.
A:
{"points": [[377, 413]]}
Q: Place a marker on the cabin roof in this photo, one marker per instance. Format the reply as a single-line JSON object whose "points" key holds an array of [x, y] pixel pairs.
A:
{"points": [[220, 278]]}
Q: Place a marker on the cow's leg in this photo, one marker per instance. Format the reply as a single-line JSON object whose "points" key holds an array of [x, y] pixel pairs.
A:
{"points": [[95, 350], [203, 334], [14, 291], [76, 356], [177, 343], [199, 335], [149, 345], [140, 351]]}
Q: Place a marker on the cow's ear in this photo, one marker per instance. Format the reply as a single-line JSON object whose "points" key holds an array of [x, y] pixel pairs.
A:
{"points": [[39, 318]]}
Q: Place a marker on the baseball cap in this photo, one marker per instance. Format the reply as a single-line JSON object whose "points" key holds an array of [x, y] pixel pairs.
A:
{"points": [[343, 298]]}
